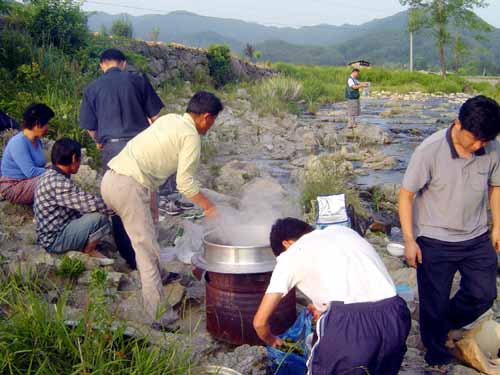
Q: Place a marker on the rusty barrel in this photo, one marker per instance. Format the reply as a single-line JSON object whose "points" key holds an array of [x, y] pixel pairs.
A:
{"points": [[232, 301]]}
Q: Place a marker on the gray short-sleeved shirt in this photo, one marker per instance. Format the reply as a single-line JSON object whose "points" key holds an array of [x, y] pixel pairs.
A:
{"points": [[451, 200], [118, 105]]}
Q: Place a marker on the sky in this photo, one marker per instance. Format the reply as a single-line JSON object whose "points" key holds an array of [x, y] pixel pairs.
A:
{"points": [[293, 13]]}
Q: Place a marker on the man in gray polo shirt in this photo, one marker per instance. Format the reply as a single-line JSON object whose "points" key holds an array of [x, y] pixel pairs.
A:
{"points": [[443, 207]]}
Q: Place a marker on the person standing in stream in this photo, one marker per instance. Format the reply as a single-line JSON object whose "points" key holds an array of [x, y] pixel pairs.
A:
{"points": [[443, 208], [352, 95], [115, 108]]}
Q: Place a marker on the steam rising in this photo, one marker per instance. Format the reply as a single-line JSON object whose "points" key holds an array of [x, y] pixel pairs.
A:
{"points": [[263, 202]]}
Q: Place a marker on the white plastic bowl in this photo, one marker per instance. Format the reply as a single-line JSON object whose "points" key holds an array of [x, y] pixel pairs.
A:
{"points": [[396, 249]]}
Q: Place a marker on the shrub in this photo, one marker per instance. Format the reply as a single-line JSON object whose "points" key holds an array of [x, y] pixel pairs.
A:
{"points": [[61, 23], [70, 268], [15, 49], [327, 177], [276, 94], [284, 88], [122, 28], [219, 64]]}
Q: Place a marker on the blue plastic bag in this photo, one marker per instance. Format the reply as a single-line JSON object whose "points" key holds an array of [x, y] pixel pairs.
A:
{"points": [[291, 363]]}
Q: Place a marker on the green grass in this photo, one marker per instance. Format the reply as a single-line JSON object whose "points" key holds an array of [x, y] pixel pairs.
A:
{"points": [[70, 268], [35, 337], [327, 178], [323, 84]]}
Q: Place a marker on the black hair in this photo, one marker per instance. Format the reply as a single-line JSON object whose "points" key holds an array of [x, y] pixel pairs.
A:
{"points": [[481, 116], [113, 54], [204, 102], [355, 70], [37, 113], [63, 151], [287, 229]]}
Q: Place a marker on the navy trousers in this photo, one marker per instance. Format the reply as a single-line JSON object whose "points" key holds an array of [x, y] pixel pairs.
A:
{"points": [[122, 239], [361, 338], [476, 260]]}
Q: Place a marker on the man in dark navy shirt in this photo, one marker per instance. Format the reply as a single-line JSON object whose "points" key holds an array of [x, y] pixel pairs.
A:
{"points": [[115, 108], [118, 105]]}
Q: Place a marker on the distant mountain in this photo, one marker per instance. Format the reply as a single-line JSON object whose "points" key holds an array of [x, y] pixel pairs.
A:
{"points": [[180, 23], [381, 41]]}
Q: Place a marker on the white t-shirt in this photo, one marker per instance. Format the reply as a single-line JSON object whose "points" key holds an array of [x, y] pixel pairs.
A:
{"points": [[334, 264], [352, 82]]}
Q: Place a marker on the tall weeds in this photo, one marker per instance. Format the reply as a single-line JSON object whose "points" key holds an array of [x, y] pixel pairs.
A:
{"points": [[36, 338]]}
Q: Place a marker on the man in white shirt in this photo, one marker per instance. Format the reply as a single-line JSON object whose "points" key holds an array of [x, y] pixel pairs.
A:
{"points": [[363, 324], [352, 95]]}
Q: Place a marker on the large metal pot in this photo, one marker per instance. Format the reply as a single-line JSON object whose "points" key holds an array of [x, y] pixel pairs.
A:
{"points": [[238, 258], [237, 278]]}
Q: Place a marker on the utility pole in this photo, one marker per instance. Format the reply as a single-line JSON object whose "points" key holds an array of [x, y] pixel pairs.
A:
{"points": [[411, 51]]}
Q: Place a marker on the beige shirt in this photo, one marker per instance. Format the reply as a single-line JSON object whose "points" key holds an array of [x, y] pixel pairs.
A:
{"points": [[171, 144]]}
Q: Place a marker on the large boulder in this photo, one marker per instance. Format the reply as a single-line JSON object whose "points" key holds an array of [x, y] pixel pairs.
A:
{"points": [[380, 162], [234, 175], [367, 134]]}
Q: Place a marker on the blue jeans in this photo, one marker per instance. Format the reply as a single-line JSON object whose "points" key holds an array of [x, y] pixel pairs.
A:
{"points": [[79, 232]]}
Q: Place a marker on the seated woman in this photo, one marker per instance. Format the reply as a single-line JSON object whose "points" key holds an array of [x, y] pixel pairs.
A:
{"points": [[23, 160]]}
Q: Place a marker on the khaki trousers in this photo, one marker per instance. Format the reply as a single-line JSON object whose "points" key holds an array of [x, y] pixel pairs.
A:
{"points": [[132, 202]]}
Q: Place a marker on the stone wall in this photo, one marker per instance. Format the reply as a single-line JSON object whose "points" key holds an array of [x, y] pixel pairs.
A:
{"points": [[174, 61]]}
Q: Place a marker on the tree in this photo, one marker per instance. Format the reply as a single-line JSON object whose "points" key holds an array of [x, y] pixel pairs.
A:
{"points": [[122, 28], [460, 52], [440, 14], [61, 23], [249, 51], [258, 55], [154, 33], [219, 64]]}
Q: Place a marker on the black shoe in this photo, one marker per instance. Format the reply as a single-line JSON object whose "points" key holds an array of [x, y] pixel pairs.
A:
{"points": [[184, 205], [172, 209], [169, 277]]}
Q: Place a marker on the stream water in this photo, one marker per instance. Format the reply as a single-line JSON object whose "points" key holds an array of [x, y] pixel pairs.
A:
{"points": [[411, 122]]}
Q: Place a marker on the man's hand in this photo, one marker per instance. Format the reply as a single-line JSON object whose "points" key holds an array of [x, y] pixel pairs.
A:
{"points": [[495, 238], [261, 319], [314, 311], [212, 212], [413, 253]]}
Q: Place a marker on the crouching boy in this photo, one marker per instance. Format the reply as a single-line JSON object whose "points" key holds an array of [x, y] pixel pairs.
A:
{"points": [[68, 218], [363, 325]]}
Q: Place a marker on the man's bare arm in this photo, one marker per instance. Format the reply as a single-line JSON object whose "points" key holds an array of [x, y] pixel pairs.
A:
{"points": [[153, 119], [495, 214], [412, 250], [93, 135], [261, 320], [207, 206]]}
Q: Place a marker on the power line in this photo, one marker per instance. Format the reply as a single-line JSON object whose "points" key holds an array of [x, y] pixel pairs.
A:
{"points": [[163, 11], [123, 6]]}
